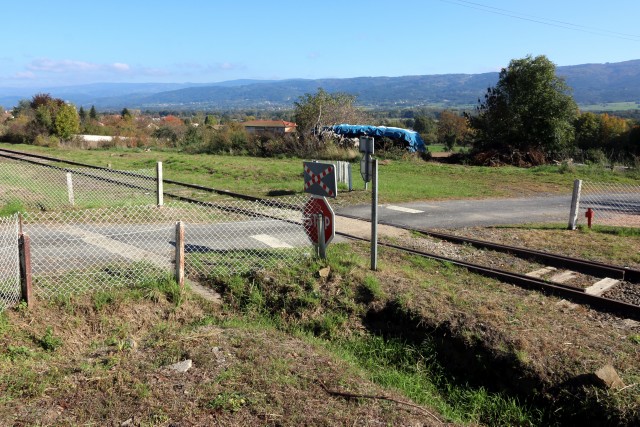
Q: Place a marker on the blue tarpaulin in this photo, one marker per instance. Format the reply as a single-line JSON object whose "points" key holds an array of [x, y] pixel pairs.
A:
{"points": [[412, 139]]}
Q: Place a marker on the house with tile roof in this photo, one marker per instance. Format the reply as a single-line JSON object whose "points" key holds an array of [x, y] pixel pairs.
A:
{"points": [[269, 127]]}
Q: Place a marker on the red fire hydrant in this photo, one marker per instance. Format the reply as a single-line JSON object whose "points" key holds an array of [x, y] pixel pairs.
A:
{"points": [[589, 214]]}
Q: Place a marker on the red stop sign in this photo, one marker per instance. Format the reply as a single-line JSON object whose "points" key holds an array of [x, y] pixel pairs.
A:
{"points": [[312, 208]]}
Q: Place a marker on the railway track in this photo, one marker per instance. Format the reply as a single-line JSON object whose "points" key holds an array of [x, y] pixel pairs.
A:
{"points": [[609, 275]]}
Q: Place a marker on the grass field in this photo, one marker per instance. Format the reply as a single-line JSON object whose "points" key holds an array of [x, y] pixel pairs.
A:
{"points": [[611, 106], [400, 180], [287, 341]]}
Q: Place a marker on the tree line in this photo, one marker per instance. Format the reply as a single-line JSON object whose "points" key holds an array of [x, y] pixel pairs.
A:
{"points": [[529, 117]]}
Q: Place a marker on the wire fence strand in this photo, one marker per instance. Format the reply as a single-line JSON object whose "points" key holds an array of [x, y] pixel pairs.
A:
{"points": [[612, 203]]}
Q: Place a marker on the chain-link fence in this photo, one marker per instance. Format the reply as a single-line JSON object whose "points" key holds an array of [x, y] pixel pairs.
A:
{"points": [[611, 203], [9, 262], [93, 229], [46, 187], [95, 249]]}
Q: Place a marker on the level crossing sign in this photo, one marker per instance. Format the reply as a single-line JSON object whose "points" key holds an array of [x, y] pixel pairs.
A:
{"points": [[320, 179]]}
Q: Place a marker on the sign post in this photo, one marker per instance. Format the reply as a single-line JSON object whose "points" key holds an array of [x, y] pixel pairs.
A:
{"points": [[374, 215], [369, 172]]}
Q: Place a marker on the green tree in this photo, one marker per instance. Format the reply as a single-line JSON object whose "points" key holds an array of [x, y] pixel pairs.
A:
{"points": [[312, 112], [93, 114], [67, 122], [587, 131], [530, 108], [126, 114], [211, 120], [427, 128], [82, 114]]}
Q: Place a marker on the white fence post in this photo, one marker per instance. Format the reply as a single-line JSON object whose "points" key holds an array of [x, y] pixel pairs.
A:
{"points": [[180, 253], [160, 189], [70, 189], [575, 204]]}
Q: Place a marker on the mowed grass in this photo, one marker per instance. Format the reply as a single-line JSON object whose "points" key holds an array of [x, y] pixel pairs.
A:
{"points": [[400, 180]]}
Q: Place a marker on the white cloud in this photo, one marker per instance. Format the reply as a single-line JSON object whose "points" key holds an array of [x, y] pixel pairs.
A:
{"points": [[119, 66], [28, 75], [61, 66], [72, 66]]}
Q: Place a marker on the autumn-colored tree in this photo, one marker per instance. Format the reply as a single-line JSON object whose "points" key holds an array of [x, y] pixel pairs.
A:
{"points": [[453, 129], [612, 129]]}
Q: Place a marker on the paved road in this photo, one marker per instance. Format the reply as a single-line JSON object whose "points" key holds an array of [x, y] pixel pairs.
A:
{"points": [[76, 246], [465, 213]]}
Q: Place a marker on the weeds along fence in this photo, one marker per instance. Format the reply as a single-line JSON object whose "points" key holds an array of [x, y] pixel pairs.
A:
{"points": [[115, 235], [611, 203]]}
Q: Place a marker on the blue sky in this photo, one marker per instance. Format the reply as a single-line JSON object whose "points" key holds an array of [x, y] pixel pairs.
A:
{"points": [[54, 43]]}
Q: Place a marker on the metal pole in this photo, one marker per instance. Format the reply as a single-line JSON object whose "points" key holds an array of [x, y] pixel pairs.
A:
{"points": [[575, 204], [70, 189], [322, 246], [180, 253], [160, 191], [374, 214]]}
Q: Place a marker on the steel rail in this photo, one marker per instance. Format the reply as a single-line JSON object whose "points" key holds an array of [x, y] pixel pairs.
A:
{"points": [[557, 289], [592, 268]]}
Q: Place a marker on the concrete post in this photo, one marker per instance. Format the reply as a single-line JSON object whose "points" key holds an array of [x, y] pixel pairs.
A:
{"points": [[160, 190], [70, 189], [180, 253], [575, 204]]}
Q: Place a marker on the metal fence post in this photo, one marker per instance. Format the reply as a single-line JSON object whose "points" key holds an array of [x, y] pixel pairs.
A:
{"points": [[160, 189], [322, 245], [180, 253], [575, 204], [70, 189], [24, 249], [374, 214]]}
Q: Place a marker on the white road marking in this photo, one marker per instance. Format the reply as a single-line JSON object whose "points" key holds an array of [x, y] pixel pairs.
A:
{"points": [[115, 247], [271, 241], [403, 209]]}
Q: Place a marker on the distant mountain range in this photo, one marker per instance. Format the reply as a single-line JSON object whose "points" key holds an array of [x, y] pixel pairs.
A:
{"points": [[591, 84]]}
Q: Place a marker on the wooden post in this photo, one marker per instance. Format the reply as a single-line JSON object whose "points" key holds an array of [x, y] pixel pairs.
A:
{"points": [[24, 248], [575, 204], [160, 188], [70, 189], [180, 253]]}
